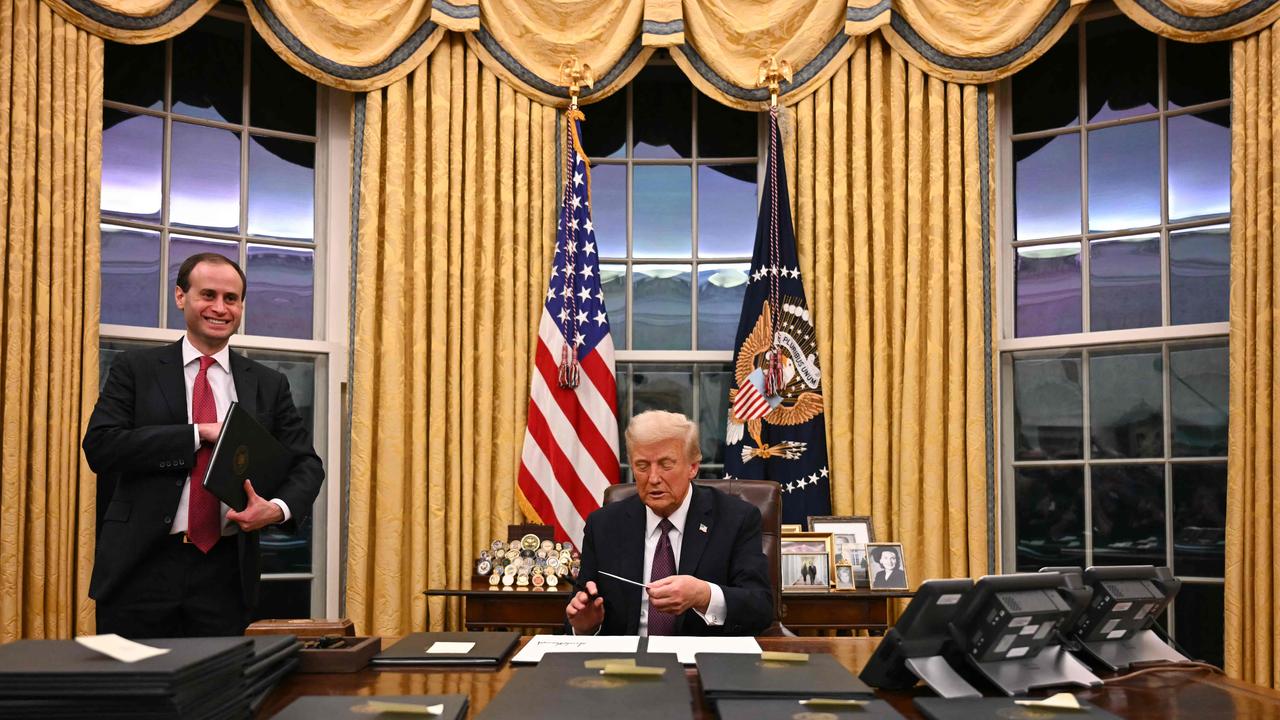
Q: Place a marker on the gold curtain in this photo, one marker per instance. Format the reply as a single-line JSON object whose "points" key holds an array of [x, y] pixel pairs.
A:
{"points": [[1251, 647], [456, 230], [891, 168], [51, 132]]}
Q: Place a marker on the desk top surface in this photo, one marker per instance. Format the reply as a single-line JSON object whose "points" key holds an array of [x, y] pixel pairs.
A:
{"points": [[481, 588], [1159, 694]]}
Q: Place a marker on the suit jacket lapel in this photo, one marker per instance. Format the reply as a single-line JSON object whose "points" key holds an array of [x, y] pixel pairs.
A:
{"points": [[246, 383], [694, 540], [632, 554], [172, 383]]}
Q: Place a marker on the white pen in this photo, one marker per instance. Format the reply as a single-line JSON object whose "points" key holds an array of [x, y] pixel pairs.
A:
{"points": [[619, 577]]}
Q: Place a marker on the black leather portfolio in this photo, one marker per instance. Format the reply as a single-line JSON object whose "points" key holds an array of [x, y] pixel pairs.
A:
{"points": [[997, 708], [561, 686], [726, 675], [775, 709], [245, 450], [331, 707], [488, 648]]}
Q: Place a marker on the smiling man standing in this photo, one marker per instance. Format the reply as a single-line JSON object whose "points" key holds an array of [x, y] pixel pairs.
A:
{"points": [[171, 560], [697, 550]]}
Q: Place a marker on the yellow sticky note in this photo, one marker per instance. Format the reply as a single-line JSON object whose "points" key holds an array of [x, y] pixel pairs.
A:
{"points": [[780, 656], [633, 670], [601, 663], [833, 702], [1061, 701]]}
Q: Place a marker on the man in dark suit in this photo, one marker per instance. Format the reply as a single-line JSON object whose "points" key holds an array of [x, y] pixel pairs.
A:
{"points": [[697, 550], [172, 560], [890, 575]]}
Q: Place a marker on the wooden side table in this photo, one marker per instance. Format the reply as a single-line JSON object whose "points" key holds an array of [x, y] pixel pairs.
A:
{"points": [[829, 610]]}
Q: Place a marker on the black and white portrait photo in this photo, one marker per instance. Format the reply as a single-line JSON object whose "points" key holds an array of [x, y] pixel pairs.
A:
{"points": [[885, 566]]}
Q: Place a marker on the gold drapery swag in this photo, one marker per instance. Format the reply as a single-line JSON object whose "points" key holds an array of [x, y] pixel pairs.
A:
{"points": [[893, 174], [51, 132], [719, 44], [456, 228], [1251, 642]]}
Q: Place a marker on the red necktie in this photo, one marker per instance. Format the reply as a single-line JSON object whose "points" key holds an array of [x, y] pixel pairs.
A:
{"points": [[204, 511], [664, 565]]}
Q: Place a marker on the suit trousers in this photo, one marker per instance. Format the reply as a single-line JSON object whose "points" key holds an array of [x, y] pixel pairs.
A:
{"points": [[178, 591]]}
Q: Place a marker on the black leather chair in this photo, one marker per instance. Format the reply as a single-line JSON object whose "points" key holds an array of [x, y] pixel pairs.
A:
{"points": [[765, 495]]}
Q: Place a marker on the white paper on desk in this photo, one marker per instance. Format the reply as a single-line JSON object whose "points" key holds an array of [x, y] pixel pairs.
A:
{"points": [[450, 648], [539, 645], [686, 647], [118, 648], [1061, 701]]}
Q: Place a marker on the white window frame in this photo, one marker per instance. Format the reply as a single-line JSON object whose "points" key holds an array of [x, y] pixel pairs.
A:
{"points": [[1162, 338], [330, 293]]}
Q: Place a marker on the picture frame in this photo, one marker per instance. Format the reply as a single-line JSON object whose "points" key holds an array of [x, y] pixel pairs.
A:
{"points": [[886, 574], [793, 528], [806, 561], [849, 536], [844, 578]]}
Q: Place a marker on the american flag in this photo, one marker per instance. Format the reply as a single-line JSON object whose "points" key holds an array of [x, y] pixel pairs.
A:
{"points": [[570, 450]]}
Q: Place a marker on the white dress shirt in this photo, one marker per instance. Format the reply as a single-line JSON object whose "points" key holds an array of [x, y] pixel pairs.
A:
{"points": [[224, 392], [716, 610]]}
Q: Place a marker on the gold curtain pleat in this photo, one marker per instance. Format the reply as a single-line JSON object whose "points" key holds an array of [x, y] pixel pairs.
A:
{"points": [[1252, 629], [888, 209], [456, 232], [133, 21], [51, 132]]}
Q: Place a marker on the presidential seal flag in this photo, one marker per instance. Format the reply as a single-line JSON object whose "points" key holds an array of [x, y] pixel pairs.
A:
{"points": [[776, 429], [570, 452]]}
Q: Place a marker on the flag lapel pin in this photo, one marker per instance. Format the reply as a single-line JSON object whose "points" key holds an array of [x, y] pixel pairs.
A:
{"points": [[702, 528]]}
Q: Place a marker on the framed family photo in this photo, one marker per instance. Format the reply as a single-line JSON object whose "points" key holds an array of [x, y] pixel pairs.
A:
{"points": [[849, 537], [886, 567], [844, 577], [806, 561]]}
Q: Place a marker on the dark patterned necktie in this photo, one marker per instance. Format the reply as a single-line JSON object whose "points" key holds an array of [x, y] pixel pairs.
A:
{"points": [[204, 511], [664, 565]]}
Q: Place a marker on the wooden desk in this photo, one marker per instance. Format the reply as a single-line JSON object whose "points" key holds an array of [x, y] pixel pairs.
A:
{"points": [[488, 609], [1155, 696]]}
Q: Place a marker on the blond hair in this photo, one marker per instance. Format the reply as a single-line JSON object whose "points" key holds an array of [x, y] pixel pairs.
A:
{"points": [[654, 426]]}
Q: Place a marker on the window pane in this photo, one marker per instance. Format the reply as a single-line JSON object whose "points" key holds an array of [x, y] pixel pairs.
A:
{"points": [[1199, 519], [134, 74], [624, 412], [204, 189], [609, 209], [208, 70], [1050, 517], [132, 146], [1047, 283], [613, 280], [1197, 72], [1199, 275], [1048, 90], [279, 299], [1048, 408], [1047, 187], [282, 178], [726, 210], [662, 306], [1124, 283], [280, 98], [285, 552], [1121, 58], [1198, 393], [1126, 404], [714, 382], [1199, 611], [725, 132], [283, 599], [663, 126], [1128, 515], [182, 247], [661, 220], [662, 387], [721, 289], [1124, 176], [130, 276], [1200, 165], [604, 131]]}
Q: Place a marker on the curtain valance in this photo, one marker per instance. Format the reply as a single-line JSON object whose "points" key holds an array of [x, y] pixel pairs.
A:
{"points": [[719, 44]]}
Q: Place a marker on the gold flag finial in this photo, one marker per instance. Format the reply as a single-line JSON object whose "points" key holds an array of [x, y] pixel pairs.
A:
{"points": [[772, 72], [576, 74]]}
